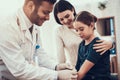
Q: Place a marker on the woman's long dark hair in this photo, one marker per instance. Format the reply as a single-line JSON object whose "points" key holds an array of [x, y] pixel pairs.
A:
{"points": [[61, 6]]}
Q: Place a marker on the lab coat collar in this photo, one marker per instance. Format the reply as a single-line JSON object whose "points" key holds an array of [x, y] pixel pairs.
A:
{"points": [[28, 35], [23, 20], [32, 37], [24, 24], [35, 34]]}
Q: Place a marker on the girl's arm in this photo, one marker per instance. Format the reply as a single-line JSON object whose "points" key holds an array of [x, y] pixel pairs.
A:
{"points": [[87, 65]]}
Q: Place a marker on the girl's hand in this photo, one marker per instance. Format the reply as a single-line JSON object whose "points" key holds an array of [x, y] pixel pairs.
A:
{"points": [[102, 46]]}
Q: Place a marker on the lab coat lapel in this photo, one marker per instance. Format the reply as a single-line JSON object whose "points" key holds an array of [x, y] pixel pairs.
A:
{"points": [[34, 35], [28, 35]]}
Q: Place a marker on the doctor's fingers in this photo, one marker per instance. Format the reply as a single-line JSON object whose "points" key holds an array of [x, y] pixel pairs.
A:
{"points": [[69, 66], [74, 72], [74, 77]]}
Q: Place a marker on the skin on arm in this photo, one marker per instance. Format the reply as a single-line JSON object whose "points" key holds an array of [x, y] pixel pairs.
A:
{"points": [[86, 66]]}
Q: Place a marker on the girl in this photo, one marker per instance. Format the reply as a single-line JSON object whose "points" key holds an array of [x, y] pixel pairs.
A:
{"points": [[90, 64]]}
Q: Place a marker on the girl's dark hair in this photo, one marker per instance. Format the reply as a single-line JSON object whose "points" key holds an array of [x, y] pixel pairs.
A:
{"points": [[86, 18], [61, 6]]}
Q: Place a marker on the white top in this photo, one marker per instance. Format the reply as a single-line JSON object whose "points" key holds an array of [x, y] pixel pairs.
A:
{"points": [[67, 39], [67, 43], [17, 47]]}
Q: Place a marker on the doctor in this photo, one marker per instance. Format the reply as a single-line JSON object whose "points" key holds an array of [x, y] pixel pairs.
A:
{"points": [[20, 41]]}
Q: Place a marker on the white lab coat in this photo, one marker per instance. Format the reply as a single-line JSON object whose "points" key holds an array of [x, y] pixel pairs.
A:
{"points": [[17, 47]]}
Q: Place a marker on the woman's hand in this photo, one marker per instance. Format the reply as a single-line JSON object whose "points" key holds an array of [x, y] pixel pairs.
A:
{"points": [[103, 46]]}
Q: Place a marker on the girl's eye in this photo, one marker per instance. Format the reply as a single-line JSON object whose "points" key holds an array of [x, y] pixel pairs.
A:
{"points": [[80, 29]]}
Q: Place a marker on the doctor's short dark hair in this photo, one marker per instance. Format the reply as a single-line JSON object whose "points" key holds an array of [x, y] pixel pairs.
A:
{"points": [[86, 18], [61, 6], [38, 2], [50, 1]]}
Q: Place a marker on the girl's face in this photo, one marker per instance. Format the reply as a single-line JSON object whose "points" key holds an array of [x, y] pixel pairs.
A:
{"points": [[83, 30], [66, 17]]}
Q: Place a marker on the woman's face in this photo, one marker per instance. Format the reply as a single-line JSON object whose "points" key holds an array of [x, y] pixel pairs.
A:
{"points": [[66, 17]]}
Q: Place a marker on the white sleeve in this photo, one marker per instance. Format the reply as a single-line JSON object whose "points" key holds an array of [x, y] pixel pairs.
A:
{"points": [[59, 47], [12, 55], [43, 58]]}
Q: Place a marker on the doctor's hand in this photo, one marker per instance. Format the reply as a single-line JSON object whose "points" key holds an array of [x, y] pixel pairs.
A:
{"points": [[67, 75], [64, 66]]}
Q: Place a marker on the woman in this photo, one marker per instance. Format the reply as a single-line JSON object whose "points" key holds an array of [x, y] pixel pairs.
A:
{"points": [[66, 37], [90, 64]]}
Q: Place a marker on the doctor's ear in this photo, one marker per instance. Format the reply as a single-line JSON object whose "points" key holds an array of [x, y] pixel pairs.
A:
{"points": [[31, 6]]}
